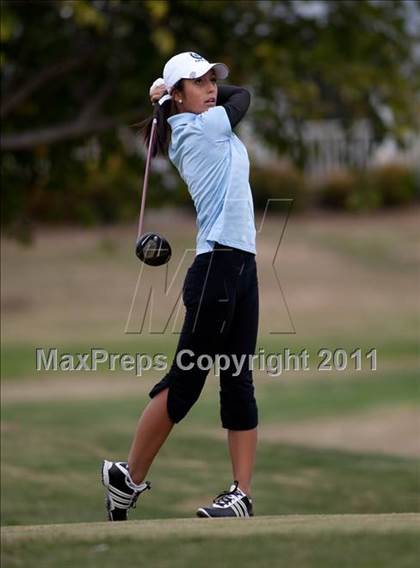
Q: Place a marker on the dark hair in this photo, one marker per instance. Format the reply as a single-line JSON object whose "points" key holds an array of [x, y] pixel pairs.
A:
{"points": [[162, 112]]}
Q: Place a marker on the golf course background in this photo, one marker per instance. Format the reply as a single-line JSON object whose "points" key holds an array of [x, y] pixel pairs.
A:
{"points": [[332, 134], [331, 443]]}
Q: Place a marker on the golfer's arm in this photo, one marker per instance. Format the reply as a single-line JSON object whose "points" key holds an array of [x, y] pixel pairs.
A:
{"points": [[235, 100]]}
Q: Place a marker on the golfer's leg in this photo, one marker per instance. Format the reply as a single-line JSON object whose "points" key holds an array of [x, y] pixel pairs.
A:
{"points": [[209, 297], [155, 423], [239, 411], [242, 449], [175, 394], [160, 415], [152, 430]]}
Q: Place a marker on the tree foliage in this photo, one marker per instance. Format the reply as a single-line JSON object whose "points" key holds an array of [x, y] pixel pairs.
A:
{"points": [[74, 71]]}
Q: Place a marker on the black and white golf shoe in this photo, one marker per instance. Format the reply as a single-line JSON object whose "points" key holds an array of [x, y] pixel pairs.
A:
{"points": [[232, 503], [122, 493]]}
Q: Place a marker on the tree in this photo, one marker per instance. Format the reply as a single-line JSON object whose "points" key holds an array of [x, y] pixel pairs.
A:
{"points": [[72, 71]]}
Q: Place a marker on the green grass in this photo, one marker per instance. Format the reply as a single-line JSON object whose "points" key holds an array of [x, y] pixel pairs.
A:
{"points": [[299, 542], [380, 252], [335, 395], [279, 400], [325, 551], [52, 452]]}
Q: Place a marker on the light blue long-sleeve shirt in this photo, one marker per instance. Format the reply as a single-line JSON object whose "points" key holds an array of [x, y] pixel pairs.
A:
{"points": [[214, 164]]}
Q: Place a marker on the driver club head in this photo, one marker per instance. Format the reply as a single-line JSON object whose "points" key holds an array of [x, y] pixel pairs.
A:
{"points": [[153, 249]]}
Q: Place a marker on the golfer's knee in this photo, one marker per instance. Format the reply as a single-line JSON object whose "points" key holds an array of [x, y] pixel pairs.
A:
{"points": [[180, 402], [238, 407], [240, 418]]}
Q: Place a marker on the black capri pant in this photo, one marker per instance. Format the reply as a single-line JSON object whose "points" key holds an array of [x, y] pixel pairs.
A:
{"points": [[221, 297]]}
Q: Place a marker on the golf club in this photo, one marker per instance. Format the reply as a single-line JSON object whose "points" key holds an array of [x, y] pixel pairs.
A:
{"points": [[151, 248]]}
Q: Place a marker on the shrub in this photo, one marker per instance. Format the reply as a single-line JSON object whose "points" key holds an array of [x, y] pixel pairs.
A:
{"points": [[274, 182], [336, 189], [380, 186], [395, 182]]}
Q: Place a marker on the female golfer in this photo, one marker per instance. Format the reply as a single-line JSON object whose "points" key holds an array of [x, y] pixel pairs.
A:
{"points": [[220, 291]]}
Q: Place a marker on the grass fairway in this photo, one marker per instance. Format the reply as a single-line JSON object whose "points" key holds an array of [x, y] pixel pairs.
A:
{"points": [[52, 453], [292, 540], [336, 481]]}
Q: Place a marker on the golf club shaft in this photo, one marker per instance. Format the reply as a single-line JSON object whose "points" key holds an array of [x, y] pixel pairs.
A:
{"points": [[146, 174]]}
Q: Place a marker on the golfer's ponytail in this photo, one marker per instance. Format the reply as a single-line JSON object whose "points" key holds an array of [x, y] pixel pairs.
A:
{"points": [[163, 134]]}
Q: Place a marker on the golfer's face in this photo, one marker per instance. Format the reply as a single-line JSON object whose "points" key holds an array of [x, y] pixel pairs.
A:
{"points": [[201, 93]]}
